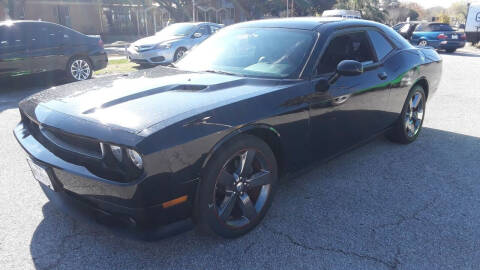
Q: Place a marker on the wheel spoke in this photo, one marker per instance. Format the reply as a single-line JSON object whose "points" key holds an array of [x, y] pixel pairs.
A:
{"points": [[416, 101], [226, 179], [247, 207], [246, 160], [259, 179], [419, 115], [227, 205]]}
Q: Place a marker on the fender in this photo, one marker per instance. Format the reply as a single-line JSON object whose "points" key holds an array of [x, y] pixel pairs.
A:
{"points": [[234, 133]]}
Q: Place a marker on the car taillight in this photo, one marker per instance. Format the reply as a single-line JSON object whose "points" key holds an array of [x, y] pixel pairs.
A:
{"points": [[100, 43], [442, 36], [463, 36]]}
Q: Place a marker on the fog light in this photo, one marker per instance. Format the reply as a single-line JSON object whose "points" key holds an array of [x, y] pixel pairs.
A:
{"points": [[117, 152], [135, 158]]}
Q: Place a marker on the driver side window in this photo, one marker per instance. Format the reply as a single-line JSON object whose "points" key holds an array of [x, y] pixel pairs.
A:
{"points": [[351, 46], [204, 30]]}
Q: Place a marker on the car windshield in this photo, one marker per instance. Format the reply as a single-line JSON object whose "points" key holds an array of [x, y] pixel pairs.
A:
{"points": [[178, 29], [258, 52]]}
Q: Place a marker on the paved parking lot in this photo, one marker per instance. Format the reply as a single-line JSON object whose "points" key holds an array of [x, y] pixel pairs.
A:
{"points": [[382, 206]]}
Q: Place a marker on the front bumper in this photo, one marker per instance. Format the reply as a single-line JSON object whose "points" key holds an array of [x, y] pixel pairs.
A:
{"points": [[118, 205], [153, 57]]}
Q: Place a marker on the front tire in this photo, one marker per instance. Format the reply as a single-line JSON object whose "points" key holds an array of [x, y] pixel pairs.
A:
{"points": [[179, 53], [450, 50], [79, 69], [237, 188], [409, 125]]}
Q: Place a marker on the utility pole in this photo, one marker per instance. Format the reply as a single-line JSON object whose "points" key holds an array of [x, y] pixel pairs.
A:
{"points": [[287, 8], [193, 10]]}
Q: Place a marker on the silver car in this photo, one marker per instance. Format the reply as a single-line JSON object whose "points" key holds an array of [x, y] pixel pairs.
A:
{"points": [[171, 43]]}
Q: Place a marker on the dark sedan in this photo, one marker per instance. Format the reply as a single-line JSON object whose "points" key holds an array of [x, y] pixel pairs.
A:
{"points": [[207, 140], [28, 47]]}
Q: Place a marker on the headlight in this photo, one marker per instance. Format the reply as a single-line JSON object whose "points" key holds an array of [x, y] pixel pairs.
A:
{"points": [[135, 158], [117, 152], [163, 46]]}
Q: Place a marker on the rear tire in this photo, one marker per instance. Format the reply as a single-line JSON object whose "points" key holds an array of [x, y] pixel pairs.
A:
{"points": [[450, 50], [233, 198], [79, 68], [409, 125], [423, 43]]}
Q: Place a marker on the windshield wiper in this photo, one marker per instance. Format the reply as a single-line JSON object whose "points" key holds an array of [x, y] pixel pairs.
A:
{"points": [[222, 72]]}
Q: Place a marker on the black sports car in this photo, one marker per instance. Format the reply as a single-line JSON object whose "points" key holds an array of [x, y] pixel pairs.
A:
{"points": [[207, 140]]}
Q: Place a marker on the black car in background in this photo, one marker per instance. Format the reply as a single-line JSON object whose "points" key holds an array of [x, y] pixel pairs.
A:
{"points": [[28, 47], [209, 138]]}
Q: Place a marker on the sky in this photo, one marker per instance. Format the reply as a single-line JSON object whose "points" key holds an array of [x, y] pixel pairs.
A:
{"points": [[432, 3]]}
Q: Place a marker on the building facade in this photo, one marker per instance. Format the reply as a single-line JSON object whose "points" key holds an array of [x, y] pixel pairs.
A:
{"points": [[219, 11], [119, 17], [96, 17]]}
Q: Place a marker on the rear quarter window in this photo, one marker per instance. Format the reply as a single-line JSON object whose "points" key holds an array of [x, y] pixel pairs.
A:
{"points": [[440, 27], [381, 45]]}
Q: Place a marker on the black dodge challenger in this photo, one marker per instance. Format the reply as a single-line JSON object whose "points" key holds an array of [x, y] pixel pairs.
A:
{"points": [[205, 141]]}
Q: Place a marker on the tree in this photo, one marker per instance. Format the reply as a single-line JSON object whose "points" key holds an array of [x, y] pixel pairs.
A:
{"points": [[370, 9], [458, 10], [444, 18]]}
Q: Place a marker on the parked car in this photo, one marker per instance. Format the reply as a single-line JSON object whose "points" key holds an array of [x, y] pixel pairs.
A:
{"points": [[28, 47], [438, 35], [171, 43], [209, 139]]}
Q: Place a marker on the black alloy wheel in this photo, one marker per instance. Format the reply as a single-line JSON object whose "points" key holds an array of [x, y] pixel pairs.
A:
{"points": [[238, 188], [410, 123]]}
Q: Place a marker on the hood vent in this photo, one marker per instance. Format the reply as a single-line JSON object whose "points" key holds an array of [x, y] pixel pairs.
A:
{"points": [[189, 87]]}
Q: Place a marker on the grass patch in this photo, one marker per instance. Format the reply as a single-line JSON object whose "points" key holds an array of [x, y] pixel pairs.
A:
{"points": [[117, 66]]}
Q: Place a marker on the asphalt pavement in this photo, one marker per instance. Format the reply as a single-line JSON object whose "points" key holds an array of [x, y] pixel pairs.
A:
{"points": [[381, 206]]}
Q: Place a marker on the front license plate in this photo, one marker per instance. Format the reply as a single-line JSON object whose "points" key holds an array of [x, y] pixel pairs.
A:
{"points": [[40, 174], [454, 37]]}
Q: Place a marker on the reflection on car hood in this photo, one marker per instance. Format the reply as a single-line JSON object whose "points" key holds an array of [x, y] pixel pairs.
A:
{"points": [[160, 96], [152, 40]]}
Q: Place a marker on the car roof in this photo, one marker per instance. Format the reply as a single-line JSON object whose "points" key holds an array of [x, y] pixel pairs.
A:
{"points": [[195, 23], [306, 23], [23, 21]]}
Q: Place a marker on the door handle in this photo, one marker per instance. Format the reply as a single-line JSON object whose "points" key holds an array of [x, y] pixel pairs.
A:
{"points": [[382, 75]]}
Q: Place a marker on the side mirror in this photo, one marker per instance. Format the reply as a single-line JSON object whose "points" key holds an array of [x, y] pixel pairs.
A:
{"points": [[197, 35], [349, 68]]}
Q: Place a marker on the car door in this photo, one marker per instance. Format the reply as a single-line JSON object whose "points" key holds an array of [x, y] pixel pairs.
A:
{"points": [[348, 109], [44, 47], [12, 51]]}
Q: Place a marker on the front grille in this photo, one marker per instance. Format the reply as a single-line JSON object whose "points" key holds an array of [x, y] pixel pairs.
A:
{"points": [[143, 48], [65, 141]]}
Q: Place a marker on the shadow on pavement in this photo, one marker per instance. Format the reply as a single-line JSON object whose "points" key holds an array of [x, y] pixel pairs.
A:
{"points": [[12, 90], [379, 206], [461, 54]]}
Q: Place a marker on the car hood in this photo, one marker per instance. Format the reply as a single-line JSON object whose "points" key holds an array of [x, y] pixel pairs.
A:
{"points": [[160, 96], [152, 40]]}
